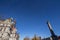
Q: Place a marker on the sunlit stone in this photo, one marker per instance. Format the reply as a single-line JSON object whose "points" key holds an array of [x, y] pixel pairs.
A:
{"points": [[8, 25], [1, 24], [5, 25]]}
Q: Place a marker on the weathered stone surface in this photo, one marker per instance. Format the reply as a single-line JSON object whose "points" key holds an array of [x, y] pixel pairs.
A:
{"points": [[7, 30]]}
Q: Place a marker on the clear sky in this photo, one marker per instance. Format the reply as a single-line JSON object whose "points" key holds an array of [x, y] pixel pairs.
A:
{"points": [[31, 16]]}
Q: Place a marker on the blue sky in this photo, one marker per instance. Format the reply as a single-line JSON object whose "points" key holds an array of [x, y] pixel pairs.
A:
{"points": [[31, 16]]}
